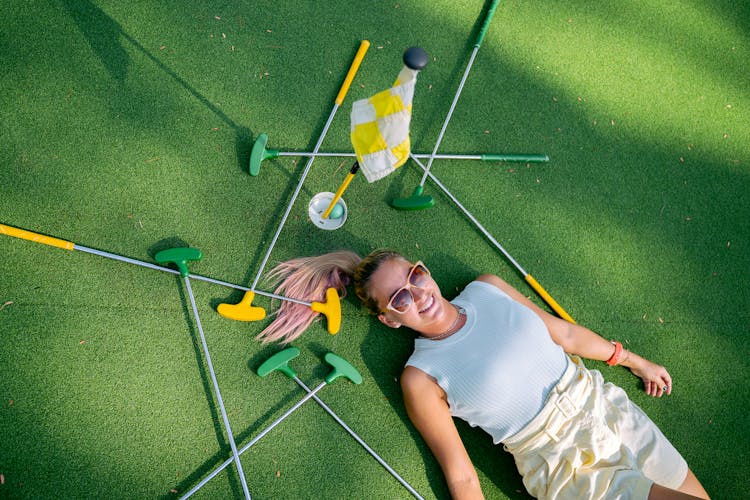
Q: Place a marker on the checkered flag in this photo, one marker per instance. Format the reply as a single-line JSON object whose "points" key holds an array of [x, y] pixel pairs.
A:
{"points": [[380, 127]]}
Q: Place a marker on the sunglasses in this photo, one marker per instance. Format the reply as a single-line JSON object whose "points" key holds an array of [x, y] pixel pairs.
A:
{"points": [[402, 299]]}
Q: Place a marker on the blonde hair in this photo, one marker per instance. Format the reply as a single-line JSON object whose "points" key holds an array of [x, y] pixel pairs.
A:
{"points": [[308, 278]]}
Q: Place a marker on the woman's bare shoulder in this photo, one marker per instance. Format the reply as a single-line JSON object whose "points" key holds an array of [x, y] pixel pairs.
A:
{"points": [[414, 377], [416, 384]]}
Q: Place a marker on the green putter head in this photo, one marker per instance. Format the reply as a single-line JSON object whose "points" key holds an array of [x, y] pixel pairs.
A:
{"points": [[259, 153], [179, 257], [341, 368], [280, 362], [414, 202]]}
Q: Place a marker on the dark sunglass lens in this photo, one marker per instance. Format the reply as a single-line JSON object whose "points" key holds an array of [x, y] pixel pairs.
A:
{"points": [[419, 276], [401, 301]]}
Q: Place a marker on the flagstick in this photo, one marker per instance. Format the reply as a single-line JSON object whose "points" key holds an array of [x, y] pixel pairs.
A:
{"points": [[415, 59]]}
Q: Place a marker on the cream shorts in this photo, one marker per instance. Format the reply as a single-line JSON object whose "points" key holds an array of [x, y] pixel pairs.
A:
{"points": [[591, 441]]}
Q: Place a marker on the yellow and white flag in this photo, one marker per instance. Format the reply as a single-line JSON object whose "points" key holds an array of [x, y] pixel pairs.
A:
{"points": [[380, 127]]}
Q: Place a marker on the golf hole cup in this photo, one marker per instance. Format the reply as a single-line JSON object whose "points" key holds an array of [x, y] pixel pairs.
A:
{"points": [[318, 206]]}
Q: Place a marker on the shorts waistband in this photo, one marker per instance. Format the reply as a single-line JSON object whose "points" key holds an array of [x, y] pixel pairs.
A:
{"points": [[563, 403]]}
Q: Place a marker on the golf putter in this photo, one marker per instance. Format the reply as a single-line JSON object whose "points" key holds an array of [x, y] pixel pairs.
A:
{"points": [[280, 362], [341, 368], [245, 311], [259, 152], [529, 278], [180, 257], [331, 308]]}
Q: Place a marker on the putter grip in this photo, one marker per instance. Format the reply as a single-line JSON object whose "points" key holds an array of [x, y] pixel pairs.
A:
{"points": [[517, 158], [352, 71], [486, 23], [548, 299], [35, 237]]}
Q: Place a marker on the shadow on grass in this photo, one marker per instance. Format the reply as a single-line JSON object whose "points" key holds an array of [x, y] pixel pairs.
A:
{"points": [[211, 395], [103, 35], [619, 174], [262, 424]]}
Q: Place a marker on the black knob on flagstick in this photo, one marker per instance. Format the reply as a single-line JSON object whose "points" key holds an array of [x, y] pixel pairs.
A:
{"points": [[415, 58]]}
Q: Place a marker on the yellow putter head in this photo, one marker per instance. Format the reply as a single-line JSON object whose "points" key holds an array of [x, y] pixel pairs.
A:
{"points": [[244, 310], [331, 309]]}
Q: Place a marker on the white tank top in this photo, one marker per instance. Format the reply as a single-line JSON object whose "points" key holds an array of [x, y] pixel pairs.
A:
{"points": [[498, 368]]}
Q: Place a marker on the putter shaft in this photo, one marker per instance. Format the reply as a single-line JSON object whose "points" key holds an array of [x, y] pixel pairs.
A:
{"points": [[339, 100], [257, 438], [450, 113], [471, 218], [529, 279], [191, 275], [217, 392], [359, 440], [69, 245], [527, 158]]}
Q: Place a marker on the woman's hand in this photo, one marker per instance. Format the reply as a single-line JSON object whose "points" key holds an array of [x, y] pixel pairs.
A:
{"points": [[656, 378]]}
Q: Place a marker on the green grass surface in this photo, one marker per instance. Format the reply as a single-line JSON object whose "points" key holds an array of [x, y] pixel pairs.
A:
{"points": [[126, 127]]}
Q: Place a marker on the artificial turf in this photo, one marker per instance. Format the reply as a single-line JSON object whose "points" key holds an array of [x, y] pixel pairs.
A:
{"points": [[127, 126]]}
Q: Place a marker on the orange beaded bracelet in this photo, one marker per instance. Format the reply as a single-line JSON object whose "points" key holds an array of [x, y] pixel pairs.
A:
{"points": [[617, 354]]}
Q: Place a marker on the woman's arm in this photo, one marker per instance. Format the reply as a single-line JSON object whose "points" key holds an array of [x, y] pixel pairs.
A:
{"points": [[579, 340], [429, 412]]}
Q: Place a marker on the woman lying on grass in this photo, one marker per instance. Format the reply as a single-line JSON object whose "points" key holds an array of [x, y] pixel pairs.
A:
{"points": [[493, 358]]}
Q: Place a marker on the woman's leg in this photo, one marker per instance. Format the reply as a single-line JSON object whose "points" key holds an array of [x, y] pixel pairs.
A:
{"points": [[690, 488]]}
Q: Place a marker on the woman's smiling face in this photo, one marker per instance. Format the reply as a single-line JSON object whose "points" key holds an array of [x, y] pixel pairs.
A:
{"points": [[427, 309]]}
